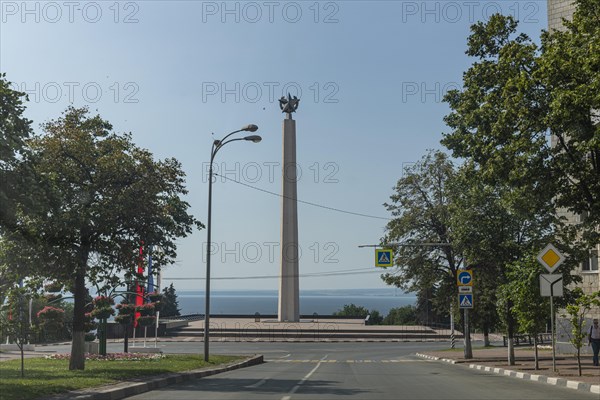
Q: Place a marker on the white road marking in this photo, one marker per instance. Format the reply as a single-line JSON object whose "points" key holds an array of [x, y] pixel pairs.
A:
{"points": [[257, 384], [306, 377], [280, 360]]}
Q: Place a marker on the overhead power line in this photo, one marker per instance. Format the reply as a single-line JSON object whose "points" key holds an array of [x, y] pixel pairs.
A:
{"points": [[358, 271], [303, 201]]}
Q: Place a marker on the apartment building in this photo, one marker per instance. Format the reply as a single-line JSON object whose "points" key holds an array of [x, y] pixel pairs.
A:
{"points": [[588, 270]]}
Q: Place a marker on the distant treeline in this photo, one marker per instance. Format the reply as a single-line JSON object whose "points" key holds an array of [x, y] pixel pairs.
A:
{"points": [[405, 315]]}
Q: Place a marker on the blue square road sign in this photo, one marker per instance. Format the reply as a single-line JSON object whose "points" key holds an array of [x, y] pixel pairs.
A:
{"points": [[384, 258], [465, 300]]}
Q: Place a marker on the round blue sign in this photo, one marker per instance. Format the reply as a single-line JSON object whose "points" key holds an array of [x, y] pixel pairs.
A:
{"points": [[464, 278]]}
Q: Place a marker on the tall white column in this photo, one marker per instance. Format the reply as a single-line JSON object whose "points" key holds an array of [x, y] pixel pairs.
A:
{"points": [[289, 291]]}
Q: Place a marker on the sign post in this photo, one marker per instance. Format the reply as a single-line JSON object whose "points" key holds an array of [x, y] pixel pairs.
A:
{"points": [[553, 338], [464, 281], [551, 258], [452, 343]]}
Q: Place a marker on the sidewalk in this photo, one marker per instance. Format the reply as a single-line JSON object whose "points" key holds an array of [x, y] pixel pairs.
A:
{"points": [[497, 357], [16, 355]]}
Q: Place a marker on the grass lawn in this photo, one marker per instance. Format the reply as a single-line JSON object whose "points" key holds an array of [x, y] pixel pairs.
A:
{"points": [[44, 377]]}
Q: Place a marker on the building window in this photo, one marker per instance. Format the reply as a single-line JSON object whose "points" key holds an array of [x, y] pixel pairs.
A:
{"points": [[591, 264]]}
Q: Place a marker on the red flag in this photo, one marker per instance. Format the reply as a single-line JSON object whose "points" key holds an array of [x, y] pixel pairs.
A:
{"points": [[139, 290]]}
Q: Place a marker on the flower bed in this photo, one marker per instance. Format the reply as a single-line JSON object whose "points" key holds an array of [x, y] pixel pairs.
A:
{"points": [[103, 301], [146, 320], [102, 312], [145, 309], [125, 308], [51, 313], [111, 356]]}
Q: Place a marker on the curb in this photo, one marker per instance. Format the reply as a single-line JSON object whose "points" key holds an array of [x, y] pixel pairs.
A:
{"points": [[182, 339], [449, 361], [584, 387], [141, 385]]}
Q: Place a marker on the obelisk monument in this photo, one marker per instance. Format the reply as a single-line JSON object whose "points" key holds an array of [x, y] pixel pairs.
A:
{"points": [[289, 288]]}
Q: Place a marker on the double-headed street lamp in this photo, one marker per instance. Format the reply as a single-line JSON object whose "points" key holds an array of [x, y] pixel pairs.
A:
{"points": [[216, 146]]}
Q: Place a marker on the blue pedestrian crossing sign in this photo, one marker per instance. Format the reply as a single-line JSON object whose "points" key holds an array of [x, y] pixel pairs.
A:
{"points": [[384, 258], [465, 300]]}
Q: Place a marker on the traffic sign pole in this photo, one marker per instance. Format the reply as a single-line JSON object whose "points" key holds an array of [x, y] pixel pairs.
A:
{"points": [[551, 258], [464, 280], [552, 322], [452, 343]]}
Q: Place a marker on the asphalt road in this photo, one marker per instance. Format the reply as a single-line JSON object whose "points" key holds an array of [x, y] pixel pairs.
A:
{"points": [[353, 370]]}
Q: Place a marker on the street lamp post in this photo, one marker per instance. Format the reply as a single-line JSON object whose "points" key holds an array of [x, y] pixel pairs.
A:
{"points": [[216, 146]]}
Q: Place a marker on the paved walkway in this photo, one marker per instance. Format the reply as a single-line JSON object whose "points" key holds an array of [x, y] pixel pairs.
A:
{"points": [[319, 323], [497, 357], [12, 355]]}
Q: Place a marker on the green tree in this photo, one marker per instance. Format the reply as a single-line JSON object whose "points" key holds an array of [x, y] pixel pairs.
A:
{"points": [[494, 225], [16, 183], [105, 197], [14, 321], [500, 124], [405, 315], [375, 318], [576, 313], [14, 130], [529, 307], [425, 311], [568, 74], [352, 310], [516, 93], [420, 210], [170, 305]]}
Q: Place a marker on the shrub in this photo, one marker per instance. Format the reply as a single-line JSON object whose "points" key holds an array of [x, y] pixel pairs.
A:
{"points": [[147, 320]]}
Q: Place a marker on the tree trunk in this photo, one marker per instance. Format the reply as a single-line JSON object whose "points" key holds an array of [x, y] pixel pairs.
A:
{"points": [[486, 335], [511, 351], [467, 334], [23, 360], [535, 347], [77, 360], [126, 339], [511, 334], [579, 359]]}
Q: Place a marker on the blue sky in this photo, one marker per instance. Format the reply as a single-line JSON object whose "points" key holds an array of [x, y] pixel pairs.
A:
{"points": [[371, 77]]}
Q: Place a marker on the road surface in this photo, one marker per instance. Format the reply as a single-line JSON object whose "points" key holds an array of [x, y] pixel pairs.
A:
{"points": [[349, 370]]}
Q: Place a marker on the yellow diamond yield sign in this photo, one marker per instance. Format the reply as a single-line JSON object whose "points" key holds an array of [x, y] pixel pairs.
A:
{"points": [[550, 258]]}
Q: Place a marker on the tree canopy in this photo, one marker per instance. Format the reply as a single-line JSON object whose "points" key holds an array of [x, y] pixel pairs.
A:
{"points": [[104, 197], [420, 209], [518, 93], [15, 128]]}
